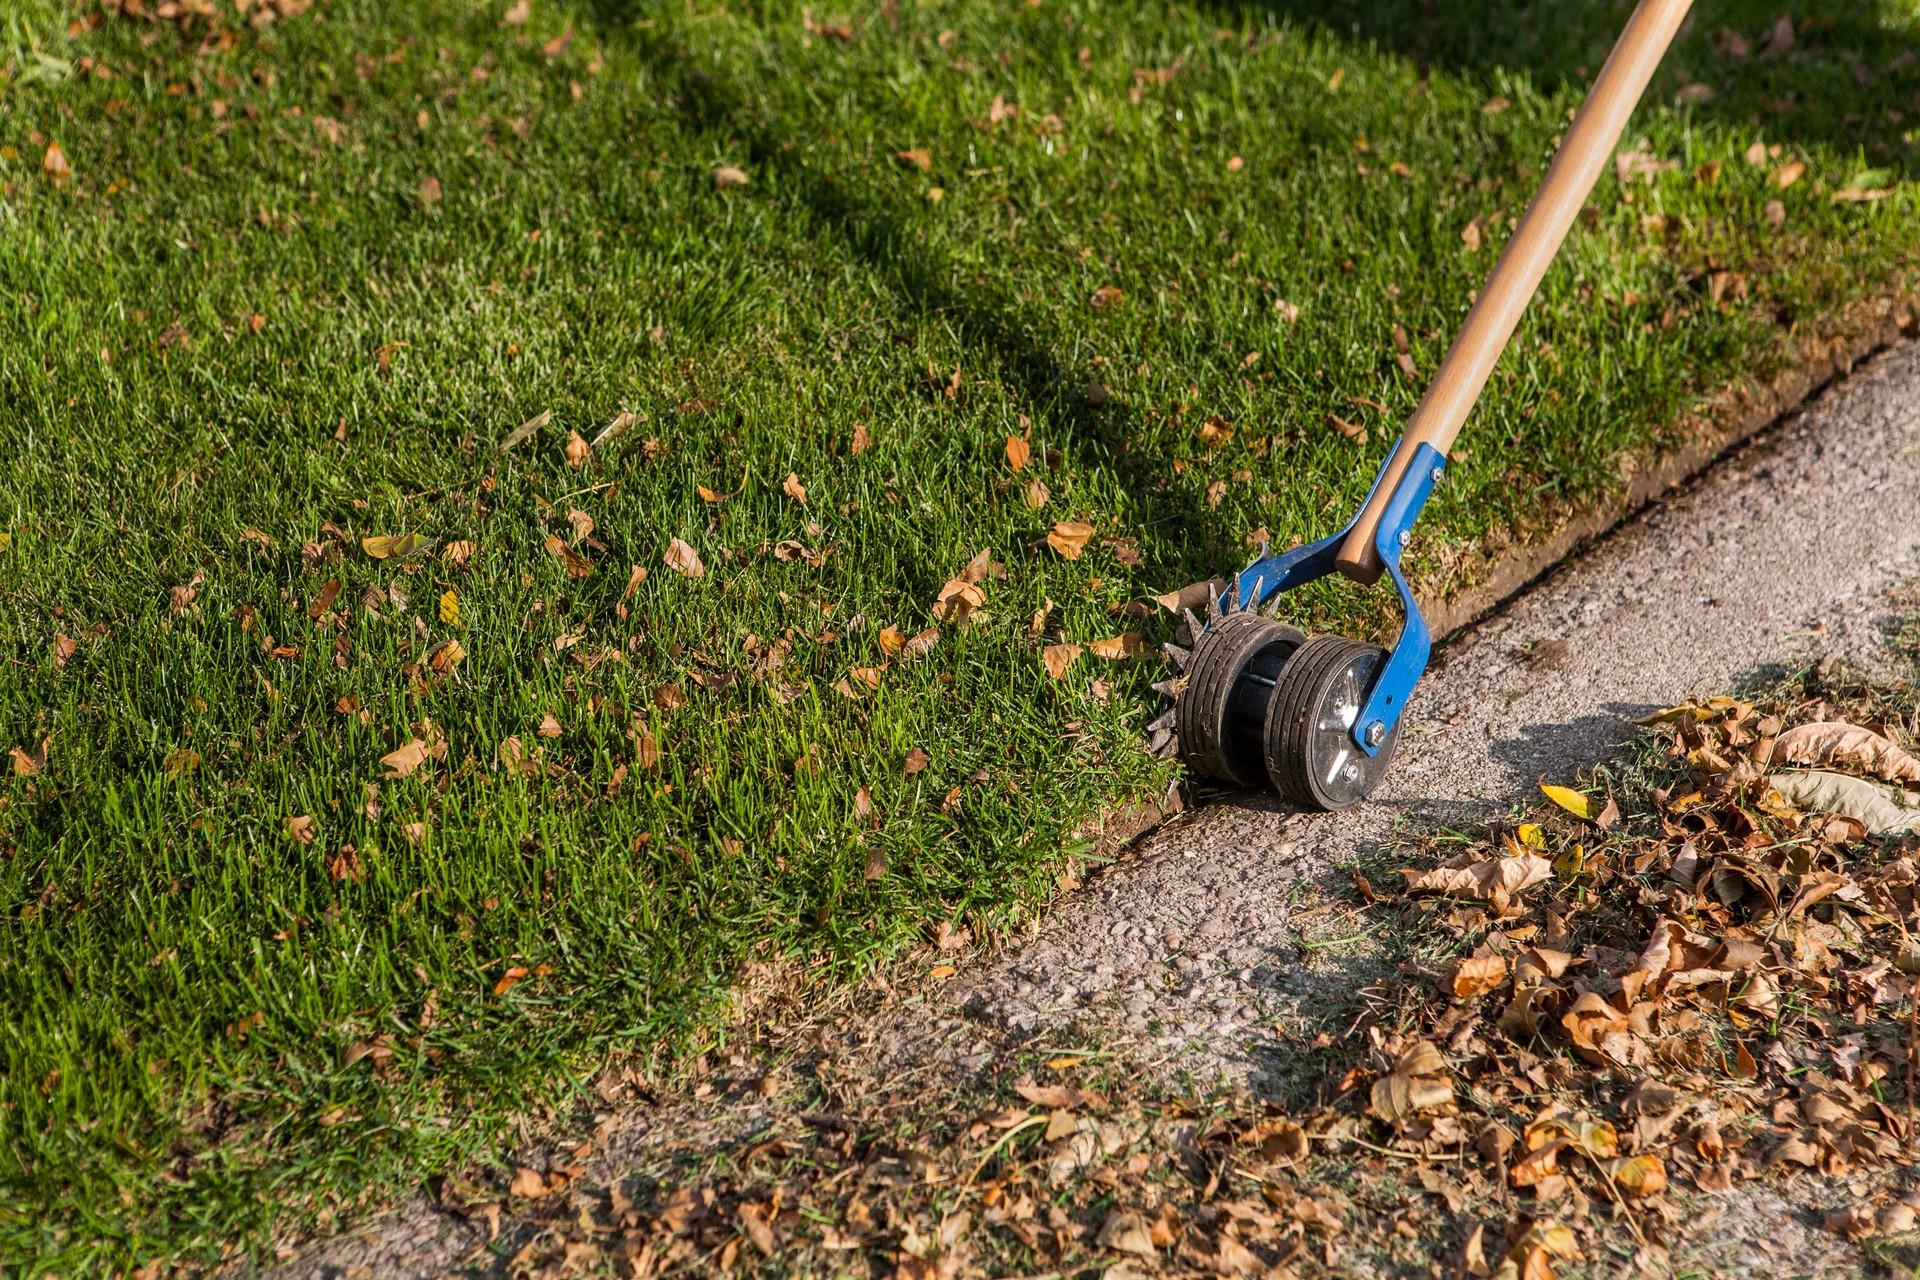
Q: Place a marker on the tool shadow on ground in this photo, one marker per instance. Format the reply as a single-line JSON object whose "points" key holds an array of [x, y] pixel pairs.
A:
{"points": [[986, 317], [1844, 80]]}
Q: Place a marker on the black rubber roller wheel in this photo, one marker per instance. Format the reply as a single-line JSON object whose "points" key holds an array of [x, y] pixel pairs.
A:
{"points": [[1310, 752], [1221, 714]]}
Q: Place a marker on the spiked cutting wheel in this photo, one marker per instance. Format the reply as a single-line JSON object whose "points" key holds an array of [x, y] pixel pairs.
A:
{"points": [[1221, 715]]}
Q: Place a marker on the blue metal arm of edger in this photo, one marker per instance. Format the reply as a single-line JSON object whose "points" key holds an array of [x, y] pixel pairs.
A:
{"points": [[1264, 578]]}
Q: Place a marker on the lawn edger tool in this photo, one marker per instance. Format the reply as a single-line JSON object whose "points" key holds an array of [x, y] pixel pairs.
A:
{"points": [[1319, 717]]}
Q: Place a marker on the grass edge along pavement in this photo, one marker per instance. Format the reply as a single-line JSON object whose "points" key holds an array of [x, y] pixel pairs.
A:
{"points": [[1586, 1025], [327, 1075]]}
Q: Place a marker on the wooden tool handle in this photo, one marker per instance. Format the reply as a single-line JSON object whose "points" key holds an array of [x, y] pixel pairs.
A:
{"points": [[1582, 157]]}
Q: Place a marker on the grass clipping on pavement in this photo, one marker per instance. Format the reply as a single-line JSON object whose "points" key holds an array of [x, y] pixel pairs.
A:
{"points": [[1603, 1018]]}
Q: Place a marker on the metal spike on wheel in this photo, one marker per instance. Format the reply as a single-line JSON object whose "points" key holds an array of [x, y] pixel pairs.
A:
{"points": [[1221, 714], [1177, 656]]}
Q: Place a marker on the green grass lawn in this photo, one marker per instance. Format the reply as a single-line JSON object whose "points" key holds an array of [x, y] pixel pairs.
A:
{"points": [[301, 280]]}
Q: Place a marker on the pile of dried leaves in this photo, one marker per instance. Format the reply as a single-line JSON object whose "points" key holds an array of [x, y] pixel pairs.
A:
{"points": [[1618, 1014], [1720, 993]]}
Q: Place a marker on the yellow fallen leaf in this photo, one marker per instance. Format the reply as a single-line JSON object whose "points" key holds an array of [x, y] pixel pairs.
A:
{"points": [[450, 609], [1531, 835], [391, 547], [1069, 538], [1641, 1175], [1569, 799]]}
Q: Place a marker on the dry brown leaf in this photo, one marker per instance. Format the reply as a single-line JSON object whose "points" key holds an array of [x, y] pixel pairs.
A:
{"points": [[1470, 235], [29, 766], [180, 598], [792, 487], [862, 440], [1058, 657], [922, 644], [1787, 174], [528, 1184], [1195, 595], [1117, 648], [403, 760], [1125, 1232], [517, 15], [1036, 496], [578, 566], [1477, 975], [578, 452], [1215, 433], [54, 164], [684, 560], [429, 192], [1106, 296], [635, 576], [891, 641], [917, 760], [1508, 876], [300, 828], [1018, 451], [726, 176], [1847, 745], [1069, 538], [550, 727]]}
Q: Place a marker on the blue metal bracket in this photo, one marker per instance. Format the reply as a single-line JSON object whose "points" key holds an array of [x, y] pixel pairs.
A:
{"points": [[1265, 578]]}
